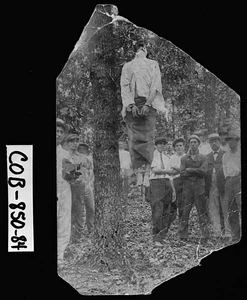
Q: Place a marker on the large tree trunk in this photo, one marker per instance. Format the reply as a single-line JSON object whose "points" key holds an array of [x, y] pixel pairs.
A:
{"points": [[108, 237]]}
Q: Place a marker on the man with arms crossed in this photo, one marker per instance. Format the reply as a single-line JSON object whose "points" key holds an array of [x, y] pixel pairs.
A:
{"points": [[192, 171]]}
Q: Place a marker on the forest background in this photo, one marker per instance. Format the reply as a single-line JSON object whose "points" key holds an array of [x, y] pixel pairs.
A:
{"points": [[194, 97]]}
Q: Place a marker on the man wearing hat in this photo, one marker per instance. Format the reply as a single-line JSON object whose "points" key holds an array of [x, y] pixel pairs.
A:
{"points": [[169, 149], [231, 162], [62, 130], [175, 161], [82, 194], [192, 171], [223, 132], [161, 190], [63, 193], [204, 147], [215, 187]]}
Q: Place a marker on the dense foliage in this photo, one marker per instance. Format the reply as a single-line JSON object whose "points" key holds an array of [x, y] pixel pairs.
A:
{"points": [[194, 97]]}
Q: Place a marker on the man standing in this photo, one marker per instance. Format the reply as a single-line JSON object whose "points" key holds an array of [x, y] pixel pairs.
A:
{"points": [[231, 162], [141, 92], [204, 147], [81, 190], [215, 187], [223, 132], [175, 161], [169, 149], [192, 171], [63, 194], [161, 191]]}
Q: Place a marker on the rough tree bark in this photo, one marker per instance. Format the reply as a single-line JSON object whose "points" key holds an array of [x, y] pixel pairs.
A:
{"points": [[108, 236]]}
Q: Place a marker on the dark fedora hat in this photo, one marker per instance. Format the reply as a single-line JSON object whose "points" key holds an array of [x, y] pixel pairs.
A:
{"points": [[160, 140]]}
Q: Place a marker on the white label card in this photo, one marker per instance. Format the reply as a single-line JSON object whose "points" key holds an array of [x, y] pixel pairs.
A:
{"points": [[20, 198]]}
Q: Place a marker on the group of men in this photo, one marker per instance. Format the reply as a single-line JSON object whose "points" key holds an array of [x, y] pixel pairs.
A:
{"points": [[207, 176], [211, 182], [74, 188]]}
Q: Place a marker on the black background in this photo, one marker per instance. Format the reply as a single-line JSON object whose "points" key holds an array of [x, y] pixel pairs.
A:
{"points": [[38, 40]]}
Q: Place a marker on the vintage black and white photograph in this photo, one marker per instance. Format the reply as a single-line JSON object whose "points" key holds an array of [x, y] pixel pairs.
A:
{"points": [[148, 160]]}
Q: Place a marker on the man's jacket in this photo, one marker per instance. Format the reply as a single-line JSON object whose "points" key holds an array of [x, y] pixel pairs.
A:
{"points": [[220, 178]]}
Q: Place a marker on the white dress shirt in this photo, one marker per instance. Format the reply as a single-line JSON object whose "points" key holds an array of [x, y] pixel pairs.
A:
{"points": [[231, 163], [139, 78], [158, 164], [62, 156], [215, 155], [175, 162], [204, 148]]}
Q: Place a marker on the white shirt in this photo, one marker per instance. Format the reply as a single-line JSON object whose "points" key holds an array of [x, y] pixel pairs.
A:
{"points": [[204, 148], [157, 164], [140, 77], [175, 162], [215, 155], [231, 163], [62, 156]]}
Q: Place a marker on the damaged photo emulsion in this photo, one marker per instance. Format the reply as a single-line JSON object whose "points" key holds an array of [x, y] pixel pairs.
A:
{"points": [[148, 160]]}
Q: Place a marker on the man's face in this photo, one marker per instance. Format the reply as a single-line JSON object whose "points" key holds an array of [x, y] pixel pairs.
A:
{"points": [[83, 150], [73, 144], [223, 137], [161, 147], [194, 144], [233, 143], [179, 148], [169, 146], [60, 133], [214, 144]]}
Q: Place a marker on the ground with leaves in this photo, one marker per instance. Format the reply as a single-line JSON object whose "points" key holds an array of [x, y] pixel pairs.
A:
{"points": [[151, 263]]}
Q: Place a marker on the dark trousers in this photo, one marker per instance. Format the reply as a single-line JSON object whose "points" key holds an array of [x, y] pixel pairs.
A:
{"points": [[233, 198], [176, 205], [141, 133], [160, 201], [217, 209], [82, 208], [191, 197]]}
